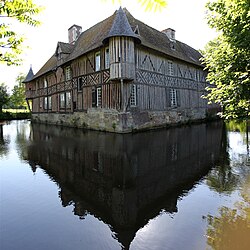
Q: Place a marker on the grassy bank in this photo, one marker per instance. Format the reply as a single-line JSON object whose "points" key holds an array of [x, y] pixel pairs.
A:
{"points": [[14, 114]]}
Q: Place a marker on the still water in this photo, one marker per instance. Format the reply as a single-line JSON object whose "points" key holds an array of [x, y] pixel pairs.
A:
{"points": [[179, 188]]}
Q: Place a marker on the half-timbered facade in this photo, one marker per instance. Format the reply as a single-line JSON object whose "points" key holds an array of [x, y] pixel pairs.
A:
{"points": [[120, 75]]}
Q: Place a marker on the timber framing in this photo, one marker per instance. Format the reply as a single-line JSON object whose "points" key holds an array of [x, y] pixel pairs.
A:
{"points": [[121, 75]]}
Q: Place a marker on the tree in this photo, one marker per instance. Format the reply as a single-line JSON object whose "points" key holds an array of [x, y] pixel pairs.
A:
{"points": [[10, 41], [17, 98], [227, 58], [4, 96]]}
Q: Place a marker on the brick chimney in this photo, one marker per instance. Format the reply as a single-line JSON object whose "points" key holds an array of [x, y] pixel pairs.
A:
{"points": [[73, 33]]}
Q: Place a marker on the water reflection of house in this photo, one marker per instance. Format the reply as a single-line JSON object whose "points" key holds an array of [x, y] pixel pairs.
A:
{"points": [[119, 75], [125, 179]]}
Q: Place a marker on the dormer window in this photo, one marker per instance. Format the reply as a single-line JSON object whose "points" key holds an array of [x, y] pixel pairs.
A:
{"points": [[136, 30]]}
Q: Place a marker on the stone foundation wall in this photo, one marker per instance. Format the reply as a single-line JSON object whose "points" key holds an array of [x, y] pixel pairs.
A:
{"points": [[121, 122]]}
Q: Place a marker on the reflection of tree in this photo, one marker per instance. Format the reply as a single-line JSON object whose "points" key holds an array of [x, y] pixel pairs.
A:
{"points": [[242, 127], [4, 143], [222, 178], [231, 228], [22, 139]]}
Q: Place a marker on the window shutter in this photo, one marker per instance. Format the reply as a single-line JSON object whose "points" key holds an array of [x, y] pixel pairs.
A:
{"points": [[168, 97]]}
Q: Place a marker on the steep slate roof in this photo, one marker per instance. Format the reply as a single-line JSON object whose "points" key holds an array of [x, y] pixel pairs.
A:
{"points": [[120, 24], [29, 76], [121, 27]]}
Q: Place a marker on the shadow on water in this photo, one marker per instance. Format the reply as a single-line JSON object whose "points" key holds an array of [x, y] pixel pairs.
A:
{"points": [[125, 180]]}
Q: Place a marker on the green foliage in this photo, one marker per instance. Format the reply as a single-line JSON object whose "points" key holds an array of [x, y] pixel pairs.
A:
{"points": [[17, 99], [227, 58], [4, 96], [10, 41]]}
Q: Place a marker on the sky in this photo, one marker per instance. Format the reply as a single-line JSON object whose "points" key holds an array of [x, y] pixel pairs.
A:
{"points": [[186, 17]]}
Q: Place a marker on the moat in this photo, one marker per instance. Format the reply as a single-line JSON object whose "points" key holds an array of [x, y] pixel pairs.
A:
{"points": [[178, 188]]}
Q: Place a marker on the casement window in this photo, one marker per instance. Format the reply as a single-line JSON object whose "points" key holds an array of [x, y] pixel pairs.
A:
{"points": [[107, 59], [173, 97], [170, 68], [65, 100], [68, 100], [79, 84], [62, 100], [47, 103], [98, 97], [45, 83], [97, 61], [133, 93], [68, 74]]}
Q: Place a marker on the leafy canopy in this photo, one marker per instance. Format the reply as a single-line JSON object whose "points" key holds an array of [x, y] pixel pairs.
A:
{"points": [[227, 58], [11, 42], [4, 96], [17, 98]]}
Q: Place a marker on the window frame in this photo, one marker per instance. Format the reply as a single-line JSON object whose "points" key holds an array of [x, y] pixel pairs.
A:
{"points": [[133, 95], [170, 68], [107, 58], [98, 97], [68, 73], [97, 61], [173, 98]]}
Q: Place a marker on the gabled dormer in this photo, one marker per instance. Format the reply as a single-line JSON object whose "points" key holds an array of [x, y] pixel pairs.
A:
{"points": [[62, 51]]}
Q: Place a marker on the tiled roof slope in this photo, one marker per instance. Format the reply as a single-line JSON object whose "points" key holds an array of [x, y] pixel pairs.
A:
{"points": [[117, 25]]}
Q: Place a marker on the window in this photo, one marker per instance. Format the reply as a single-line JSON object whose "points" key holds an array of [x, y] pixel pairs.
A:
{"points": [[170, 68], [79, 84], [98, 97], [107, 58], [68, 74], [65, 100], [45, 83], [62, 100], [133, 96], [68, 100], [173, 97], [47, 103], [97, 61]]}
